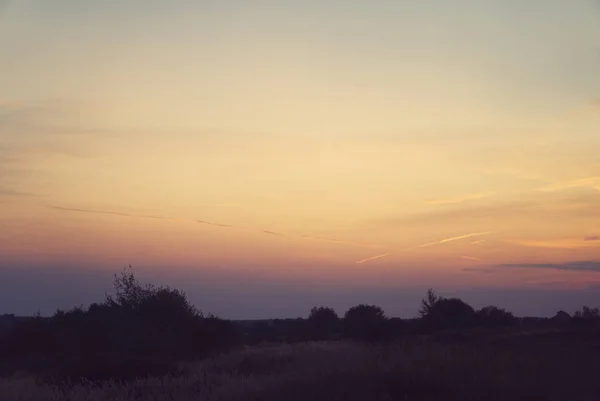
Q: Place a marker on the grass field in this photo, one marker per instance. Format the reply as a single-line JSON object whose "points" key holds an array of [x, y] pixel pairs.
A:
{"points": [[509, 366]]}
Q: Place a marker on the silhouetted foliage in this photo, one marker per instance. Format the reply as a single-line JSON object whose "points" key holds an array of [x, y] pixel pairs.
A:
{"points": [[586, 317], [322, 322], [561, 318], [492, 316], [440, 313], [147, 330], [365, 322], [395, 328], [142, 331], [428, 302], [587, 313]]}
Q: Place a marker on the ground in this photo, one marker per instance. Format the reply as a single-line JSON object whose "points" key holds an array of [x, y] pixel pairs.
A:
{"points": [[513, 365]]}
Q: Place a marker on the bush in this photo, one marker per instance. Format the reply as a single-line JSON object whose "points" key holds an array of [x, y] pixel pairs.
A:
{"points": [[442, 313], [587, 313], [428, 302], [365, 322], [586, 317], [323, 322], [492, 316], [143, 331]]}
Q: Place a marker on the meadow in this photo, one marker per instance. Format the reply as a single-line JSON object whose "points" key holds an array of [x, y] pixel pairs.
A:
{"points": [[553, 365], [148, 343]]}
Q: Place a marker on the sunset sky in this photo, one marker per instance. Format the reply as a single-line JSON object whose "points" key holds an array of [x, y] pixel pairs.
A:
{"points": [[268, 156]]}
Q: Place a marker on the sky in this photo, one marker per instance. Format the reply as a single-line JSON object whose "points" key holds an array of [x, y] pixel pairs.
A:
{"points": [[269, 156]]}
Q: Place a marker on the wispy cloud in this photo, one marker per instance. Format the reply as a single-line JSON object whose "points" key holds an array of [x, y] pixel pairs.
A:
{"points": [[156, 217], [273, 233], [532, 205], [592, 238], [31, 132], [586, 182], [567, 243], [10, 192], [452, 239], [338, 241], [209, 223], [72, 209], [219, 225], [305, 237], [121, 214], [461, 214], [586, 266], [482, 270], [459, 199], [242, 228], [443, 241], [384, 255], [109, 212], [470, 258], [481, 241], [465, 236], [426, 245]]}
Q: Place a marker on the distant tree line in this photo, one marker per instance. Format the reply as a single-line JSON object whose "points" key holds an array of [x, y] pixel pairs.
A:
{"points": [[142, 331], [146, 330], [369, 323]]}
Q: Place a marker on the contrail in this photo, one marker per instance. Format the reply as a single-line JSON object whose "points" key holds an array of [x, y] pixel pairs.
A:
{"points": [[443, 241], [71, 209], [372, 258], [217, 224], [481, 241], [470, 258], [459, 199], [426, 245], [338, 241], [108, 212], [220, 225], [273, 233], [465, 236], [306, 237], [258, 230]]}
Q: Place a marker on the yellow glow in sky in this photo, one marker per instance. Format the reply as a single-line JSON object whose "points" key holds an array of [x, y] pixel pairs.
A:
{"points": [[382, 140]]}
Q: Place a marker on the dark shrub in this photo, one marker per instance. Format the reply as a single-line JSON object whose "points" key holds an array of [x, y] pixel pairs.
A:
{"points": [[396, 327], [586, 317], [587, 313], [143, 331], [428, 302], [441, 313], [492, 316], [323, 322], [365, 322]]}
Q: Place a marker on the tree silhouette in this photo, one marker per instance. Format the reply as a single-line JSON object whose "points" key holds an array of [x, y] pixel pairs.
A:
{"points": [[439, 312], [144, 330], [159, 302], [365, 322], [428, 302], [492, 316], [587, 313], [323, 321]]}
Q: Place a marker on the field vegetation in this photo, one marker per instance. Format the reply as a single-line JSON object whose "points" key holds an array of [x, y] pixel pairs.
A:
{"points": [[149, 343]]}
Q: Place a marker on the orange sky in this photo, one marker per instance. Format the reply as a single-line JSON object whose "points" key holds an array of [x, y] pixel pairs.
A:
{"points": [[340, 142]]}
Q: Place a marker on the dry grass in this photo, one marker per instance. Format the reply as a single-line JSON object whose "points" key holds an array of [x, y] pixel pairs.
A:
{"points": [[351, 372]]}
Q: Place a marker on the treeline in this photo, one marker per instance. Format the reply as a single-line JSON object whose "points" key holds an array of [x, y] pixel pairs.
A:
{"points": [[145, 330], [437, 315]]}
